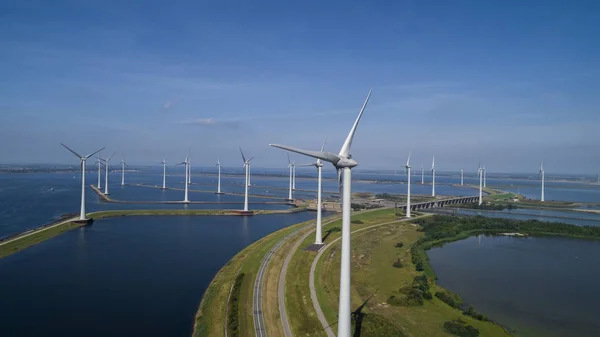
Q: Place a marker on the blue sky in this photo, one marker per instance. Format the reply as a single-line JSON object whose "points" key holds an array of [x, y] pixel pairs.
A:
{"points": [[510, 82]]}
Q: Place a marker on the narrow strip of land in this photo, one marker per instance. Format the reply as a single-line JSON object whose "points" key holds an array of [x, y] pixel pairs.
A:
{"points": [[21, 237]]}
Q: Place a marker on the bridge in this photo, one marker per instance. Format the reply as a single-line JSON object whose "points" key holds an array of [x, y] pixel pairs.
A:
{"points": [[439, 203]]}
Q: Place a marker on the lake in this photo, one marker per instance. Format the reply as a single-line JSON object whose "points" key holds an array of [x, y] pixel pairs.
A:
{"points": [[538, 286], [128, 276]]}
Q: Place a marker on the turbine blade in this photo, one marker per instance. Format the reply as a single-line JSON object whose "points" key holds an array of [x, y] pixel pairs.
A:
{"points": [[243, 157], [323, 147], [289, 161], [107, 159], [326, 156], [408, 161], [345, 151], [304, 165], [433, 163], [73, 152], [249, 160], [93, 153]]}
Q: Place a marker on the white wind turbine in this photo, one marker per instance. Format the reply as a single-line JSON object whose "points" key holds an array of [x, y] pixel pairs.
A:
{"points": [[218, 176], [542, 175], [319, 165], [99, 161], [462, 176], [422, 175], [246, 182], [186, 162], [291, 167], [106, 174], [164, 163], [83, 159], [189, 173], [344, 163], [484, 176], [433, 177], [408, 191], [123, 164], [480, 172], [294, 175]]}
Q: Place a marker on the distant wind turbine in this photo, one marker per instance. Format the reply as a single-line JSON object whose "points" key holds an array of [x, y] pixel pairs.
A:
{"points": [[408, 189], [164, 163], [83, 159], [462, 175], [99, 161], [433, 177], [319, 165], [189, 176], [247, 180], [106, 174], [123, 164], [480, 172], [484, 176], [542, 175], [422, 175], [291, 167], [344, 163], [218, 176], [186, 162]]}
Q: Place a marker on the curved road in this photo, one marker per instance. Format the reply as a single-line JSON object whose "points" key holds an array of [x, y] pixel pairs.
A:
{"points": [[313, 293], [257, 303]]}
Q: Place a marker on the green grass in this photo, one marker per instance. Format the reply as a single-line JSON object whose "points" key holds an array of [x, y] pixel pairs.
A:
{"points": [[30, 240], [210, 319], [375, 279]]}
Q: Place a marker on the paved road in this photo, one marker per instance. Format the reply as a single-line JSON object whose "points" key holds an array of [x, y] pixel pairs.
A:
{"points": [[313, 293], [257, 302]]}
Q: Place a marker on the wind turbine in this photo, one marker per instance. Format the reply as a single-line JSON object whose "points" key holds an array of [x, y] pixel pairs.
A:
{"points": [[291, 167], [484, 176], [106, 174], [218, 176], [480, 172], [99, 161], [319, 165], [344, 163], [164, 163], [246, 182], [542, 175], [422, 175], [83, 159], [186, 162], [123, 164], [408, 192], [433, 177], [462, 175], [294, 175], [189, 173]]}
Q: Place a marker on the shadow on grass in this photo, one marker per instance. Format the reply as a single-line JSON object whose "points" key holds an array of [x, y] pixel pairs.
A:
{"points": [[358, 317]]}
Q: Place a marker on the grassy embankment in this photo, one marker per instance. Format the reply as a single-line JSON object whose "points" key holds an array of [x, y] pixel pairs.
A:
{"points": [[210, 319], [36, 236], [375, 280]]}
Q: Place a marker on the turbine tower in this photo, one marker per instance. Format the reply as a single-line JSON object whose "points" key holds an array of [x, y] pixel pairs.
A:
{"points": [[408, 192], [218, 176], [83, 159], [480, 172], [319, 165], [344, 163], [106, 174], [186, 162], [422, 175], [433, 177], [99, 161], [246, 182], [294, 175], [291, 167], [462, 175], [542, 175], [189, 172], [484, 176], [164, 163], [123, 164]]}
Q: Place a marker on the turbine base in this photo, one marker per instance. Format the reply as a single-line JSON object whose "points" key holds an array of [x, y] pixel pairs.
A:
{"points": [[314, 247], [83, 221]]}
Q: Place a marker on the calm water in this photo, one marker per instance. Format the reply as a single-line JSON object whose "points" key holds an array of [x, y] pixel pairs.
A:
{"points": [[539, 286], [573, 218], [137, 276]]}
